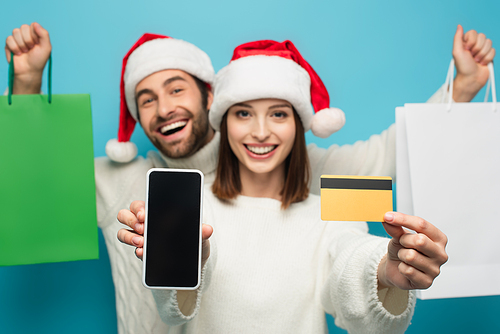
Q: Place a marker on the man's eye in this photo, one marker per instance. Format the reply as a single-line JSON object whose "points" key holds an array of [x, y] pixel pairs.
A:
{"points": [[242, 113], [176, 91], [147, 101]]}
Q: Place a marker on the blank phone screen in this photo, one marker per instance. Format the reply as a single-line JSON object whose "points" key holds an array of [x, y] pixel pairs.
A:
{"points": [[173, 229]]}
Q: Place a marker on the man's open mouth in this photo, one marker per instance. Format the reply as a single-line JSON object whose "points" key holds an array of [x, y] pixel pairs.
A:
{"points": [[261, 150], [172, 128]]}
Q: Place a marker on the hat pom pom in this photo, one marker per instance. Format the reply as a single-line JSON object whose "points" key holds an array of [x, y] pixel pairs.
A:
{"points": [[327, 121], [121, 151]]}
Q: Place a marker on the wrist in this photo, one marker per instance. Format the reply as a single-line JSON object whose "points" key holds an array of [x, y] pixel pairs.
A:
{"points": [[382, 281], [465, 88], [28, 83]]}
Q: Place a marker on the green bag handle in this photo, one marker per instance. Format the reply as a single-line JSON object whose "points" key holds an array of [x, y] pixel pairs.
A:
{"points": [[11, 77]]}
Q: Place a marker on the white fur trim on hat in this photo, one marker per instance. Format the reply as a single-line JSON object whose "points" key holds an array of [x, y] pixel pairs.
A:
{"points": [[327, 121], [121, 151], [163, 54], [262, 77]]}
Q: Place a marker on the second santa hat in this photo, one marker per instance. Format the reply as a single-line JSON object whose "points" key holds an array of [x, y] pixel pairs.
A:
{"points": [[269, 69]]}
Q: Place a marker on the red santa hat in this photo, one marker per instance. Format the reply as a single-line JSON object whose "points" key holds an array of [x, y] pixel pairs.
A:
{"points": [[152, 53], [268, 69]]}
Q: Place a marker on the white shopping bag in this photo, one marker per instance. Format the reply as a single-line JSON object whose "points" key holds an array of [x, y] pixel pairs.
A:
{"points": [[448, 172]]}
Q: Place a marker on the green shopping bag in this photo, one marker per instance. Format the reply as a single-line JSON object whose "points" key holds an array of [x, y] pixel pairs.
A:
{"points": [[47, 186]]}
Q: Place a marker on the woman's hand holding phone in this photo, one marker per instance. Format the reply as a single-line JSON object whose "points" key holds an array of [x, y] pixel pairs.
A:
{"points": [[134, 219]]}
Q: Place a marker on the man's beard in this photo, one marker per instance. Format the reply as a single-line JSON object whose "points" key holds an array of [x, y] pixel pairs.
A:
{"points": [[190, 145]]}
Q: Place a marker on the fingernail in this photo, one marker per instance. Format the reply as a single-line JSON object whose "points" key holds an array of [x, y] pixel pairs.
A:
{"points": [[136, 240], [389, 217], [137, 227]]}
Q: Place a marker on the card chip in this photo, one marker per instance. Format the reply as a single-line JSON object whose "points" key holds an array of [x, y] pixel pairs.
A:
{"points": [[355, 198]]}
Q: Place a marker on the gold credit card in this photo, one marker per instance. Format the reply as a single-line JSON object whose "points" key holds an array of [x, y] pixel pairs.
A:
{"points": [[355, 198]]}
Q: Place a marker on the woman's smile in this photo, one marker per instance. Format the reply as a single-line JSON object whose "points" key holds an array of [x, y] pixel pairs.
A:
{"points": [[260, 151]]}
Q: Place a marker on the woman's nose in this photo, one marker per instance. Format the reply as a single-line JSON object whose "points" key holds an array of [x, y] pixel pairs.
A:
{"points": [[261, 130]]}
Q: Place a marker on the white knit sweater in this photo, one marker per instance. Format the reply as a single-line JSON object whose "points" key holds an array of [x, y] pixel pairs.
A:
{"points": [[119, 184], [278, 271]]}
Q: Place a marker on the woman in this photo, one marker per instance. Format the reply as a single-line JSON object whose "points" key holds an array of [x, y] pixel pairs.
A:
{"points": [[277, 267]]}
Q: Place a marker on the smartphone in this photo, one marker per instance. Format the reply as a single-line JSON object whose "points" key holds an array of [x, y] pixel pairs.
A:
{"points": [[172, 230]]}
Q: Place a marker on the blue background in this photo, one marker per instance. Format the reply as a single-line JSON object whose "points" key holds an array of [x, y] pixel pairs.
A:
{"points": [[372, 56]]}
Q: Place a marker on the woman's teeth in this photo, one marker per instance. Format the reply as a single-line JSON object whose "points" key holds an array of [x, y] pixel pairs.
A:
{"points": [[260, 149], [172, 127]]}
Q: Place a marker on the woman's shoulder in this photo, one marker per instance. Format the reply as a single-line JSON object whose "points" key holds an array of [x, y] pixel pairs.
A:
{"points": [[209, 198], [312, 201]]}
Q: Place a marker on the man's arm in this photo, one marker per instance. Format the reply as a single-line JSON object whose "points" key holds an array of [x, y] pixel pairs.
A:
{"points": [[376, 156], [472, 53], [31, 47]]}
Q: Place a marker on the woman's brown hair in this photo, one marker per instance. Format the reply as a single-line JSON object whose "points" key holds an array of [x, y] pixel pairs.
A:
{"points": [[227, 184]]}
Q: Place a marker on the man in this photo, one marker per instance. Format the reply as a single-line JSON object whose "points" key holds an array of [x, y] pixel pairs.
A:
{"points": [[171, 100]]}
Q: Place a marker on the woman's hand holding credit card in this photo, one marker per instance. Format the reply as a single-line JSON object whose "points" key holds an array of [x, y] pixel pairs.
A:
{"points": [[413, 259]]}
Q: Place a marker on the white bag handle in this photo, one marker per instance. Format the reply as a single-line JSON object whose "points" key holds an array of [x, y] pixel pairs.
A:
{"points": [[491, 84]]}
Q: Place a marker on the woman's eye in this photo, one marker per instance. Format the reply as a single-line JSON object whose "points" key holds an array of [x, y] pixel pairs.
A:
{"points": [[280, 114], [242, 113], [176, 91]]}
